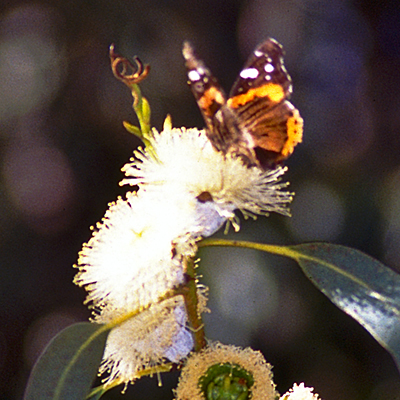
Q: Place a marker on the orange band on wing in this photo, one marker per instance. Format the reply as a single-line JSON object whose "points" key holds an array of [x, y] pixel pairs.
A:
{"points": [[294, 132], [271, 90], [210, 96]]}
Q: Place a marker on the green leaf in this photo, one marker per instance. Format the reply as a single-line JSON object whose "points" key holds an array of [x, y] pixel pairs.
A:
{"points": [[96, 393], [132, 129], [358, 284], [69, 364], [146, 114]]}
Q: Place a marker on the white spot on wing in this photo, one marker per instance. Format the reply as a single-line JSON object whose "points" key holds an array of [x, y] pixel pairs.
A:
{"points": [[249, 73], [268, 68], [193, 75], [290, 105], [258, 53]]}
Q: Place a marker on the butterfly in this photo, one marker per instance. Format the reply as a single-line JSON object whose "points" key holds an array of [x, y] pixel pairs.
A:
{"points": [[256, 122]]}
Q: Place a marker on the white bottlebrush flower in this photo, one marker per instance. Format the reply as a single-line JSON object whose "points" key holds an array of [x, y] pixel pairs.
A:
{"points": [[187, 190], [129, 261], [144, 341], [214, 184], [133, 259], [300, 392]]}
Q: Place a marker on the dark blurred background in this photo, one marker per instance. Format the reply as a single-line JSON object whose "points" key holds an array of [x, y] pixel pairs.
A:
{"points": [[62, 145]]}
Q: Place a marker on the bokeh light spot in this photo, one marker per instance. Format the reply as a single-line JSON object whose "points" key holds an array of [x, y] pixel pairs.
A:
{"points": [[318, 213], [38, 180]]}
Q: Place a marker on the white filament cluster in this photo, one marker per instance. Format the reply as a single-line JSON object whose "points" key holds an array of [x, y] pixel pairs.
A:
{"points": [[187, 190], [300, 392]]}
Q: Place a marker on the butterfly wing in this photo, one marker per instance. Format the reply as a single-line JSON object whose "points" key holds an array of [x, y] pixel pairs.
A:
{"points": [[208, 93], [257, 122], [259, 99], [221, 122]]}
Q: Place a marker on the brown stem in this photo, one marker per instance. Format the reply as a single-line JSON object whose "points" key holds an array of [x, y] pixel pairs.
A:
{"points": [[189, 292]]}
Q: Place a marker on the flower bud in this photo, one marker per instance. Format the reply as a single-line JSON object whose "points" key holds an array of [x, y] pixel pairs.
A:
{"points": [[222, 372]]}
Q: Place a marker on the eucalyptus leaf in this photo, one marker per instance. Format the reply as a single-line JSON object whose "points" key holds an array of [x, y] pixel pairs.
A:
{"points": [[69, 364], [359, 285]]}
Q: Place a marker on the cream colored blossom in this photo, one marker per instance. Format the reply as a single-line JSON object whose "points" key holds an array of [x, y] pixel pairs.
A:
{"points": [[133, 259], [187, 190], [247, 359], [213, 183], [157, 334], [129, 261], [300, 392]]}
